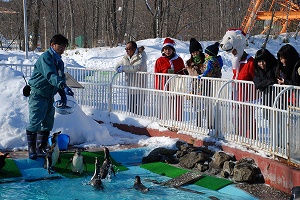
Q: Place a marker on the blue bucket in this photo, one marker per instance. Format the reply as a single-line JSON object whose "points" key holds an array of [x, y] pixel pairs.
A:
{"points": [[63, 140]]}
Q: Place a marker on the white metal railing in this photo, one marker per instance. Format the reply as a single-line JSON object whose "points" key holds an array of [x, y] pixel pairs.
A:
{"points": [[225, 109]]}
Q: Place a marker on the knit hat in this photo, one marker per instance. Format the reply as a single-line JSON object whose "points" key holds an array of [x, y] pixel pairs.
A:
{"points": [[169, 42], [213, 49], [195, 45]]}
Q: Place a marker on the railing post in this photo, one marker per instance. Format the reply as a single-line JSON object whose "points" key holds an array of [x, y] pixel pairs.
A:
{"points": [[218, 118], [275, 130], [165, 99], [109, 95]]}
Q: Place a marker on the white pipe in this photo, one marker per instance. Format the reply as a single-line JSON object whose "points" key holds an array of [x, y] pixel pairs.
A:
{"points": [[25, 29]]}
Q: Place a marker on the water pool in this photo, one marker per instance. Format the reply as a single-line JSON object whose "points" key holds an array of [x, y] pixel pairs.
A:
{"points": [[119, 187]]}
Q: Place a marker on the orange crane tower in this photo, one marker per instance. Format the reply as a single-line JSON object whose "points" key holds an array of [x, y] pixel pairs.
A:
{"points": [[283, 12]]}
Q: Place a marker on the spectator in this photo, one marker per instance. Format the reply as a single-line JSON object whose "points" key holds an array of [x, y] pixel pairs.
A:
{"points": [[265, 65], [134, 61], [169, 63], [288, 71], [264, 69], [46, 80], [213, 63], [194, 67], [212, 68]]}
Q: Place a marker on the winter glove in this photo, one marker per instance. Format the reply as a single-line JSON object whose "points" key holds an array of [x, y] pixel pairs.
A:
{"points": [[199, 77], [63, 98], [120, 69], [68, 91]]}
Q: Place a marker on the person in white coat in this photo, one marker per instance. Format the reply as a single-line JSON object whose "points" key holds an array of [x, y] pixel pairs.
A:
{"points": [[134, 61]]}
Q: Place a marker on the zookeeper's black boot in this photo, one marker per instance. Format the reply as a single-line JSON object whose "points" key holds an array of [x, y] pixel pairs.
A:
{"points": [[31, 139], [42, 142]]}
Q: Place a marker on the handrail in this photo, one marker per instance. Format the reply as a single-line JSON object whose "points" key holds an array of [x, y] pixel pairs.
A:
{"points": [[111, 90], [168, 81]]}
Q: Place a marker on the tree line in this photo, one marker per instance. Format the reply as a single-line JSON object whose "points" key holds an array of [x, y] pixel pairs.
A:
{"points": [[111, 22]]}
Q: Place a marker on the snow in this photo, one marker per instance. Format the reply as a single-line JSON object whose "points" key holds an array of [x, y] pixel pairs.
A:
{"points": [[83, 130]]}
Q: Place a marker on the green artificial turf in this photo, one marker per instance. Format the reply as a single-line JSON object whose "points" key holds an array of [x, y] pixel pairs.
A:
{"points": [[10, 170], [164, 169], [209, 182], [89, 158]]}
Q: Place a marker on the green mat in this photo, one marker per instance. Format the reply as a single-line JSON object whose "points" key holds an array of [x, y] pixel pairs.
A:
{"points": [[89, 158], [10, 170], [209, 182]]}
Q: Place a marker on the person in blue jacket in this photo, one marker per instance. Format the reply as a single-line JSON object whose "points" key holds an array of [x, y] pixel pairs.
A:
{"points": [[213, 62], [46, 80], [212, 68]]}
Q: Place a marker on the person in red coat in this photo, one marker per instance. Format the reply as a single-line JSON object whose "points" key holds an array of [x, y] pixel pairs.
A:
{"points": [[169, 63]]}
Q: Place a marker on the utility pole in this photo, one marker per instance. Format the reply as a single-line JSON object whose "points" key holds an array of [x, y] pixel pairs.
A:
{"points": [[25, 29]]}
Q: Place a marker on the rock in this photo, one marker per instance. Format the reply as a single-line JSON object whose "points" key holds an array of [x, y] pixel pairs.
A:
{"points": [[204, 160], [201, 167], [246, 170], [224, 174], [220, 157], [159, 155], [228, 167], [190, 160], [182, 146]]}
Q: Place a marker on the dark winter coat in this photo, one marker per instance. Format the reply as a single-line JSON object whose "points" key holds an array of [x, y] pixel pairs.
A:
{"points": [[291, 76], [264, 77]]}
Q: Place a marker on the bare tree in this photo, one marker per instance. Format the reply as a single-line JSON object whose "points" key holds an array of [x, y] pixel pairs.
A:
{"points": [[123, 20], [36, 24], [96, 11]]}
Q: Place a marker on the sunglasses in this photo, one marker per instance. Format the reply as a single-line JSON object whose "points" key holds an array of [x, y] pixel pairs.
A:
{"points": [[127, 49]]}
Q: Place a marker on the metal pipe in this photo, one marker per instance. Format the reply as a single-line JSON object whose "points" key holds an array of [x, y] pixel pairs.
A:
{"points": [[25, 29]]}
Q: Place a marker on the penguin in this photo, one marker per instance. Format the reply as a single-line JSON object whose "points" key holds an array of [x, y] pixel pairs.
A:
{"points": [[96, 179], [48, 160], [2, 160], [78, 162], [138, 185], [295, 193], [107, 166], [52, 155]]}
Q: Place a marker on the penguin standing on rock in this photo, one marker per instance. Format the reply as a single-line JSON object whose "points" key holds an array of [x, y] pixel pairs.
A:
{"points": [[2, 160], [107, 166], [138, 185], [52, 155], [96, 179], [77, 162]]}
